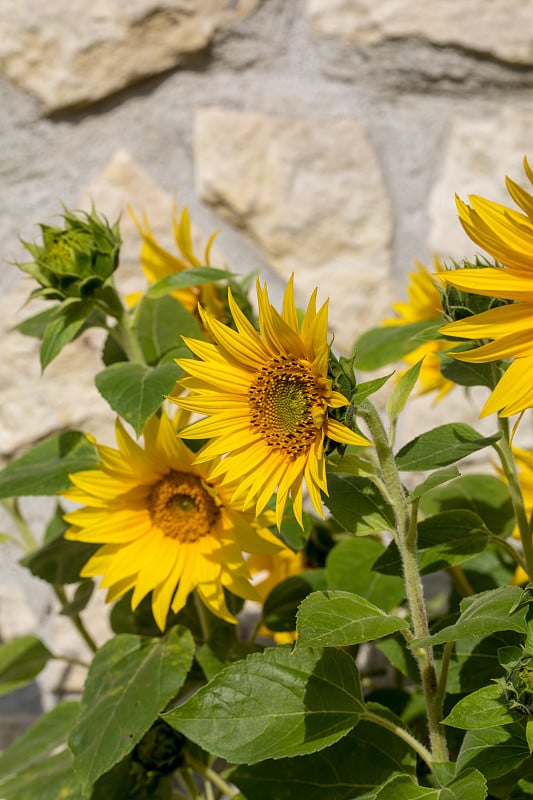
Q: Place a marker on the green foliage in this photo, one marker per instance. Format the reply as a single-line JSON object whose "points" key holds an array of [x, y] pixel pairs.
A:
{"points": [[21, 660], [442, 446], [378, 347], [357, 505]]}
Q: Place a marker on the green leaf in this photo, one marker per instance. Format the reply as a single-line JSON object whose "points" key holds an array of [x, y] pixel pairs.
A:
{"points": [[401, 392], [445, 540], [494, 751], [160, 324], [81, 598], [368, 388], [351, 768], [44, 469], [281, 605], [464, 374], [395, 649], [358, 505], [35, 326], [475, 661], [469, 785], [380, 346], [59, 561], [483, 614], [187, 278], [136, 392], [485, 708], [38, 742], [67, 325], [442, 446], [403, 787], [432, 481], [21, 661], [130, 682], [274, 704], [49, 779], [349, 568], [338, 619], [485, 495]]}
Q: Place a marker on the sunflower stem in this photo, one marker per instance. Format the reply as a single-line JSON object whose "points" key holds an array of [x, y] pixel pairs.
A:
{"points": [[401, 733], [504, 450], [406, 540], [77, 621], [28, 542]]}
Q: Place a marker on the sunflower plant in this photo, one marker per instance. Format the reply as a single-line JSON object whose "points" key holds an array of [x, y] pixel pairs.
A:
{"points": [[299, 606]]}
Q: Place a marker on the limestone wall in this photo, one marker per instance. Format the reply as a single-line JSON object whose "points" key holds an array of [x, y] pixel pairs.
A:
{"points": [[324, 137]]}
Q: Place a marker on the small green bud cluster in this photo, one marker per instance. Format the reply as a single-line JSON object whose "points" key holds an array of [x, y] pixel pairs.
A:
{"points": [[75, 260], [518, 685], [458, 304]]}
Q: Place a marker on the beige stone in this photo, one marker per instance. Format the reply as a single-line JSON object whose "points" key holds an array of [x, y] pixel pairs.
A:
{"points": [[499, 27], [479, 152], [73, 53], [312, 195]]}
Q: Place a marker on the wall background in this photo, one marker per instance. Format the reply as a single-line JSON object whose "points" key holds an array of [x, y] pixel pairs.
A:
{"points": [[324, 137]]}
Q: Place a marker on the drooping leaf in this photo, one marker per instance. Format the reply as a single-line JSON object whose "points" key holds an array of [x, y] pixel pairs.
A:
{"points": [[486, 708], [136, 392], [402, 390], [349, 568], [338, 619], [274, 704], [130, 682], [380, 346], [433, 480], [44, 469], [187, 278], [445, 540], [483, 614], [21, 660], [64, 328], [353, 767], [442, 446], [357, 505]]}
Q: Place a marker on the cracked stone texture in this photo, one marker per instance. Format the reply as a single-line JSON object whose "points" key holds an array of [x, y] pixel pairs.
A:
{"points": [[310, 195], [499, 28], [73, 53]]}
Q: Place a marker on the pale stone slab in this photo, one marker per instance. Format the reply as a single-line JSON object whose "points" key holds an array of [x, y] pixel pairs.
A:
{"points": [[480, 151], [71, 53], [312, 195], [500, 28]]}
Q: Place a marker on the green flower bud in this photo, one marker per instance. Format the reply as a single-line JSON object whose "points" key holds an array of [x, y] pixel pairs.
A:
{"points": [[518, 685], [76, 260], [458, 304], [161, 749]]}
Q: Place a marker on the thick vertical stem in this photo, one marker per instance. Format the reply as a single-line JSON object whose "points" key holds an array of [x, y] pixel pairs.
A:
{"points": [[406, 540]]}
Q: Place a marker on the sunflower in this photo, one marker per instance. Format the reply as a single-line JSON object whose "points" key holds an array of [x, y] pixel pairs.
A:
{"points": [[507, 235], [266, 395], [166, 525], [424, 303], [158, 263]]}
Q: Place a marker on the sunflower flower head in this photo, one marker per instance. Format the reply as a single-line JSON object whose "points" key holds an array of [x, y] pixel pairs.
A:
{"points": [[507, 235], [158, 263], [424, 302], [166, 526], [266, 395]]}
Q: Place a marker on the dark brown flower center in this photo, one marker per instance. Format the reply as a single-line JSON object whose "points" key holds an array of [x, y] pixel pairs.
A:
{"points": [[286, 402], [183, 506]]}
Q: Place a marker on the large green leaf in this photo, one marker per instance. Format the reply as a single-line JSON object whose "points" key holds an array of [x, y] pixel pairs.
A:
{"points": [[338, 619], [44, 469], [160, 324], [49, 779], [474, 662], [38, 742], [187, 278], [482, 615], [351, 768], [130, 681], [494, 751], [442, 446], [357, 505], [349, 568], [274, 704], [136, 392], [403, 787], [66, 326], [484, 495], [380, 346], [445, 540], [21, 661], [486, 708]]}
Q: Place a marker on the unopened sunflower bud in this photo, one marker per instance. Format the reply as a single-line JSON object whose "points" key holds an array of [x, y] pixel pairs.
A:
{"points": [[518, 685], [76, 260]]}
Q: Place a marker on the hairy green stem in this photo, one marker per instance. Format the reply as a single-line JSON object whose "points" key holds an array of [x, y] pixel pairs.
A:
{"points": [[503, 448], [212, 776], [401, 733], [406, 540]]}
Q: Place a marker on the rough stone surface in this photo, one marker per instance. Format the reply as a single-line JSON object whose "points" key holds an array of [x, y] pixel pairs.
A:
{"points": [[71, 54], [480, 151], [478, 25], [312, 195]]}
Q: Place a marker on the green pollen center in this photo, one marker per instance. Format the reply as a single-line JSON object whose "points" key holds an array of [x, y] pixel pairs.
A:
{"points": [[182, 506], [287, 404]]}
